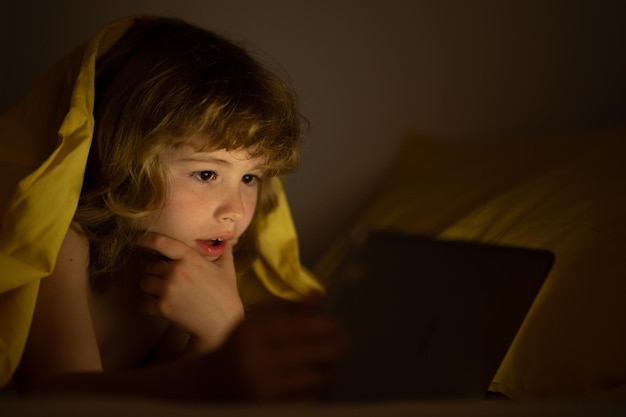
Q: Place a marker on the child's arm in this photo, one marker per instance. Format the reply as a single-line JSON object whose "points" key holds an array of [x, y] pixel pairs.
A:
{"points": [[281, 354], [62, 337]]}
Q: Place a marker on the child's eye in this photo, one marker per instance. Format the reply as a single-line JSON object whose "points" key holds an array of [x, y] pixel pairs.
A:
{"points": [[204, 176], [250, 179]]}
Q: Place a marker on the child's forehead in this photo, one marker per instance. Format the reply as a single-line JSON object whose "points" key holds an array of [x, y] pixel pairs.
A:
{"points": [[203, 143], [198, 143], [192, 151]]}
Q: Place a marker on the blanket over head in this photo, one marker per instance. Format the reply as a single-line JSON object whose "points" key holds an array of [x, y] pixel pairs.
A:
{"points": [[44, 143]]}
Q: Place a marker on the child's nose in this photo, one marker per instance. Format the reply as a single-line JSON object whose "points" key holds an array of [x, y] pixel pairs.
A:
{"points": [[231, 207]]}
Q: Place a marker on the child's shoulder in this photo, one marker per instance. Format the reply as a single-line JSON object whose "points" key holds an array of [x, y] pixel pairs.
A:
{"points": [[74, 251], [76, 236]]}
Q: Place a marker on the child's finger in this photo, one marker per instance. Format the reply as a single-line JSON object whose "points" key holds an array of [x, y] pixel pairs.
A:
{"points": [[316, 356], [157, 268], [150, 306], [167, 246], [227, 257], [287, 329], [152, 285]]}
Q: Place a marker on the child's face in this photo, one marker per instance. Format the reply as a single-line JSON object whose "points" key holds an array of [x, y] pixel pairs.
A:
{"points": [[211, 198]]}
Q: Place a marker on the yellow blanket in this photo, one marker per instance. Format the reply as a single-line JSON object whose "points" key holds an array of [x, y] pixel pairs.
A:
{"points": [[44, 143]]}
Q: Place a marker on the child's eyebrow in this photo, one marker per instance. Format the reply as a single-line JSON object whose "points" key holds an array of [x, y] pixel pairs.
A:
{"points": [[205, 159], [219, 161]]}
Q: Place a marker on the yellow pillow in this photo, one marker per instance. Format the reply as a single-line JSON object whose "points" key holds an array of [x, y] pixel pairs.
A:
{"points": [[573, 340], [564, 194], [44, 143], [432, 184]]}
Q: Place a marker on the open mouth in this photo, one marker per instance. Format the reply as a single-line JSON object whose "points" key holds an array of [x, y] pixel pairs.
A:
{"points": [[212, 247]]}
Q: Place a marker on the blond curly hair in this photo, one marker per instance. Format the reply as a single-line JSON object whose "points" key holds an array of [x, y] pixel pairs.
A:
{"points": [[164, 82]]}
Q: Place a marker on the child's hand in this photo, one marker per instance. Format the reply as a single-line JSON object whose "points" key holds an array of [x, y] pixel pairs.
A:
{"points": [[286, 352], [197, 295]]}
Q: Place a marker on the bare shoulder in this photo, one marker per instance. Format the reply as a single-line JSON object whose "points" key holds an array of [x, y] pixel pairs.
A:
{"points": [[62, 337], [75, 248], [72, 263]]}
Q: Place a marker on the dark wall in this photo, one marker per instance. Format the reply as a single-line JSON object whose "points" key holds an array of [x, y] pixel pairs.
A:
{"points": [[368, 71]]}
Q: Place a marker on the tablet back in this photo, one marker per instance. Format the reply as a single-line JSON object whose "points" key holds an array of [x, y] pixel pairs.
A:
{"points": [[428, 318]]}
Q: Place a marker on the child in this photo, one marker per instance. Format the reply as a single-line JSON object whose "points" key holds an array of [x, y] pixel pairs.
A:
{"points": [[144, 298]]}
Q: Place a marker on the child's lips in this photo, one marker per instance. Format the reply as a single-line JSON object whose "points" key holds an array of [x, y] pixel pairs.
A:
{"points": [[214, 247], [211, 248]]}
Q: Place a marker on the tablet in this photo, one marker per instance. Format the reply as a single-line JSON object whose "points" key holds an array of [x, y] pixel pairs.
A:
{"points": [[429, 318]]}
